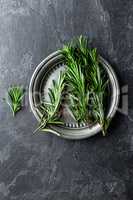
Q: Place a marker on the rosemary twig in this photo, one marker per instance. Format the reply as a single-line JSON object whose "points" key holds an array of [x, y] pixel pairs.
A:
{"points": [[78, 92], [50, 110], [98, 87], [14, 99]]}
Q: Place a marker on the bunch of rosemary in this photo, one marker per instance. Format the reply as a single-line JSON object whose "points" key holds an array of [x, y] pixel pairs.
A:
{"points": [[86, 85], [85, 77]]}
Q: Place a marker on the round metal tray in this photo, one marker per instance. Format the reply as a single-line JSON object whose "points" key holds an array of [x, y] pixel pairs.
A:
{"points": [[41, 80]]}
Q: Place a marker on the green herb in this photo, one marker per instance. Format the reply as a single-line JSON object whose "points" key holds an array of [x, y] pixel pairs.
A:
{"points": [[78, 93], [98, 87], [14, 99], [50, 110], [86, 78]]}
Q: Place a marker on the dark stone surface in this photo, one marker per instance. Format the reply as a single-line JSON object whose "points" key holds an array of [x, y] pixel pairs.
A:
{"points": [[45, 167]]}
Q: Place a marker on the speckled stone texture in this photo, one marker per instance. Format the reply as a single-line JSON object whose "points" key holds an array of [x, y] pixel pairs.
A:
{"points": [[43, 166]]}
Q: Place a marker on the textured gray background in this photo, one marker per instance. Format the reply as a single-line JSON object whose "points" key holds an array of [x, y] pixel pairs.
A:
{"points": [[45, 167]]}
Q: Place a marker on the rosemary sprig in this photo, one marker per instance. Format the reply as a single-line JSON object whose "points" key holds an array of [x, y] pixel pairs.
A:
{"points": [[50, 110], [98, 87], [14, 99], [78, 93]]}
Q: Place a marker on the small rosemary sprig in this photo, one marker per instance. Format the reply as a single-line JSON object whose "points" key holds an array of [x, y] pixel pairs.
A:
{"points": [[50, 110], [14, 98]]}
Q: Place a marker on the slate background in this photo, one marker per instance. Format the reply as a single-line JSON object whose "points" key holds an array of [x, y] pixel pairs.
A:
{"points": [[45, 167]]}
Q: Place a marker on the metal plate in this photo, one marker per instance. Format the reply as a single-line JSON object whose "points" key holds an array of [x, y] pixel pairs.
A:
{"points": [[41, 80]]}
